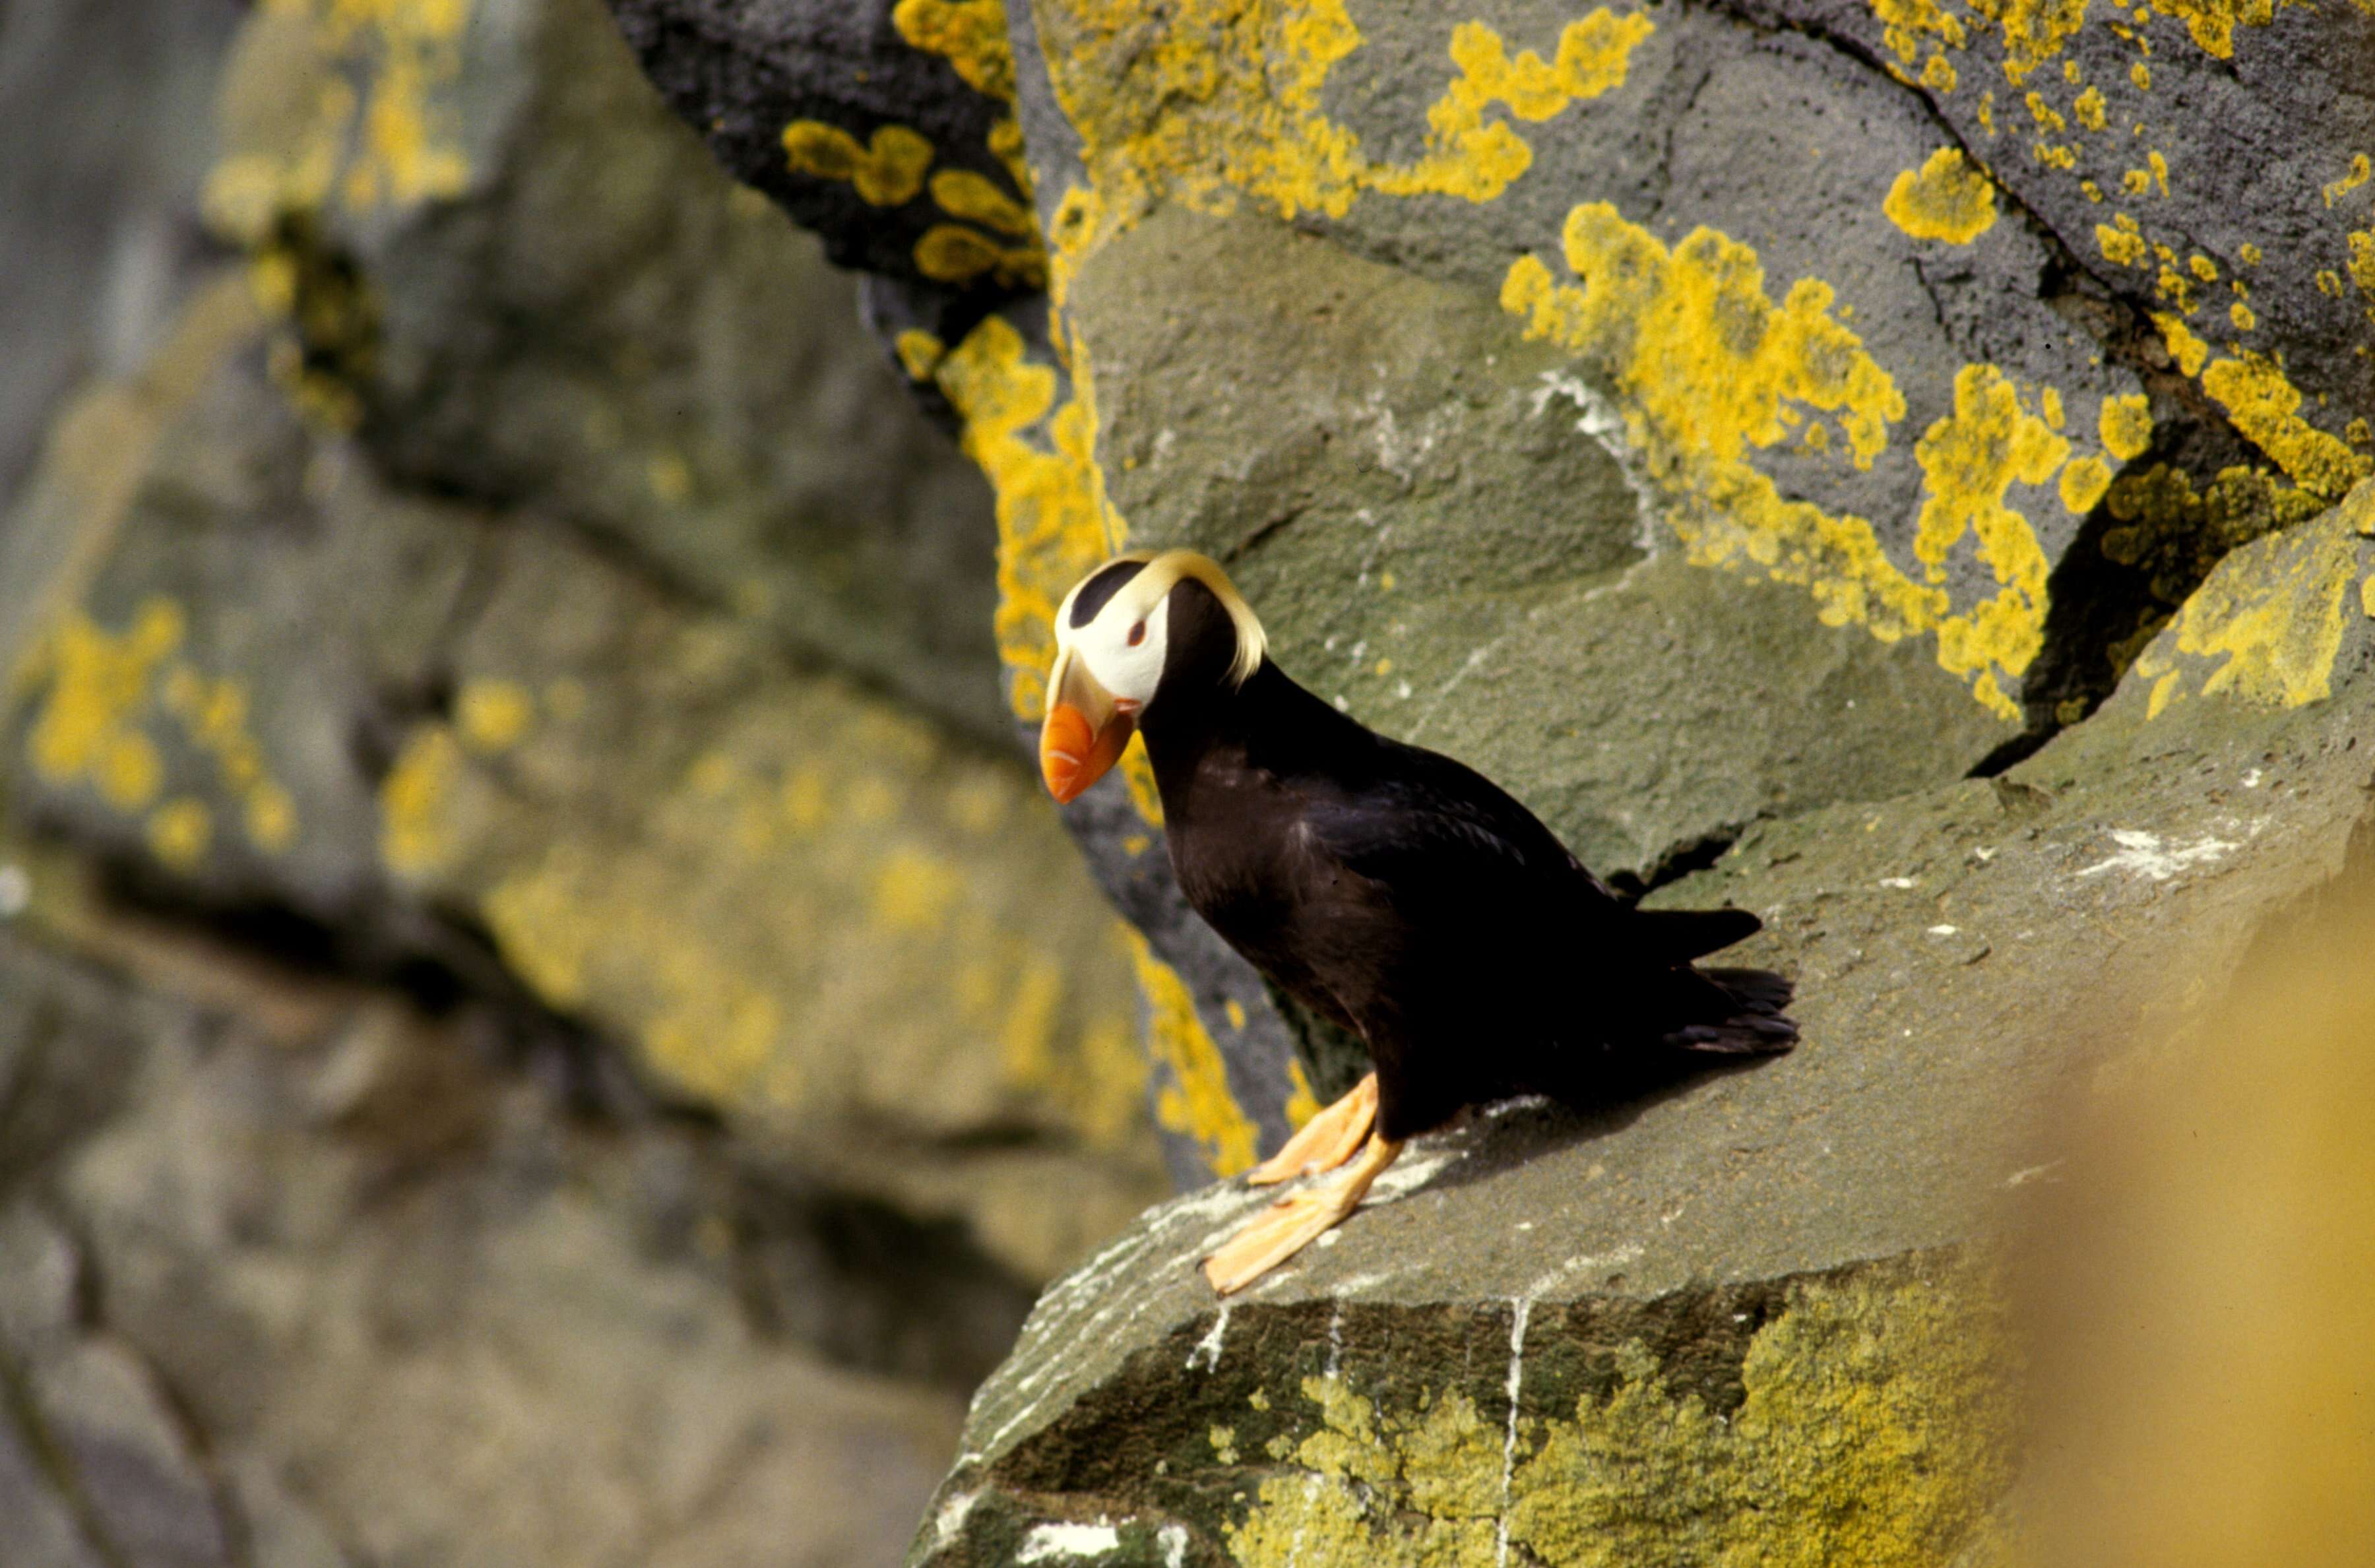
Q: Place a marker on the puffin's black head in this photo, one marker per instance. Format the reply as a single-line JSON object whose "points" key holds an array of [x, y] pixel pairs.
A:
{"points": [[1113, 646]]}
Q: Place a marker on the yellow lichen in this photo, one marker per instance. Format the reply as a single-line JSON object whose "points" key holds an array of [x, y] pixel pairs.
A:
{"points": [[1705, 366], [2121, 246], [179, 831], [2212, 23], [2361, 169], [1302, 1104], [1909, 27], [2272, 614], [2032, 32], [1876, 1430], [919, 352], [963, 193], [270, 817], [1136, 772], [2189, 352], [493, 714], [2125, 425], [374, 127], [2089, 109], [1223, 101], [2264, 406], [1969, 460], [950, 253], [1054, 526], [914, 889], [2362, 259], [716, 1033], [886, 171], [1194, 1100], [2084, 482], [89, 727], [1028, 1022], [969, 34], [1468, 156], [670, 477], [413, 836], [213, 715], [1947, 198]]}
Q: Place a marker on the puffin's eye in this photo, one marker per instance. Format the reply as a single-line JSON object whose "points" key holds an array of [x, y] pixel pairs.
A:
{"points": [[1137, 635]]}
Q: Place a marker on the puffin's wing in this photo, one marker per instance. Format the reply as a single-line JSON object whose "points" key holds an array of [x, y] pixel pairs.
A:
{"points": [[1430, 828], [1445, 842]]}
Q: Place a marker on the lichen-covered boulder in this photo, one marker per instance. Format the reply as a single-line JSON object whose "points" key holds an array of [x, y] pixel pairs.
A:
{"points": [[1756, 1320]]}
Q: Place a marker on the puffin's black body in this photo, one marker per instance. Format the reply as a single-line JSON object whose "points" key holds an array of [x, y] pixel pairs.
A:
{"points": [[1411, 900]]}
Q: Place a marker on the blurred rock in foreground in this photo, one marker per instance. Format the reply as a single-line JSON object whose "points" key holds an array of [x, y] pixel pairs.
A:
{"points": [[2198, 1317]]}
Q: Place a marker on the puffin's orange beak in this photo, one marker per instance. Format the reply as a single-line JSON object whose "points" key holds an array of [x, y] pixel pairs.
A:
{"points": [[1084, 732]]}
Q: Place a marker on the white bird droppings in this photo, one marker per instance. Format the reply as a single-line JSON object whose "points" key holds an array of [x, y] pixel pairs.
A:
{"points": [[1208, 1349], [2142, 854], [1048, 1543], [952, 1516]]}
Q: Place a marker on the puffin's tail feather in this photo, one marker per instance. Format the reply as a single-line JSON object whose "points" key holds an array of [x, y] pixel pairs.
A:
{"points": [[1757, 1026], [1678, 934]]}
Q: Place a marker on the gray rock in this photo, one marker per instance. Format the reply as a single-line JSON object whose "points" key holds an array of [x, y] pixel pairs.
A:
{"points": [[98, 210], [95, 1458]]}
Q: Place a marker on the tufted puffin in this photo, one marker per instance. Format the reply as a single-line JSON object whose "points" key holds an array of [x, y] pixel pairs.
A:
{"points": [[1398, 893]]}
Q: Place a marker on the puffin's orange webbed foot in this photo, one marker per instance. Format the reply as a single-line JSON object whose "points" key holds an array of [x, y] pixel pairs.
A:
{"points": [[1324, 1142], [1295, 1221]]}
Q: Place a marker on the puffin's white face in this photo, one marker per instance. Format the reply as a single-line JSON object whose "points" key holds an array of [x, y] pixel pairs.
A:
{"points": [[1113, 631], [1122, 645]]}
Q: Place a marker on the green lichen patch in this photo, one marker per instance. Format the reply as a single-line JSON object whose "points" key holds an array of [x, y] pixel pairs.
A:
{"points": [[1861, 1416]]}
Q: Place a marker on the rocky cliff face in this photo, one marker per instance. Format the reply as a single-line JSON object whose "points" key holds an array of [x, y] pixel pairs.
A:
{"points": [[1882, 465]]}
